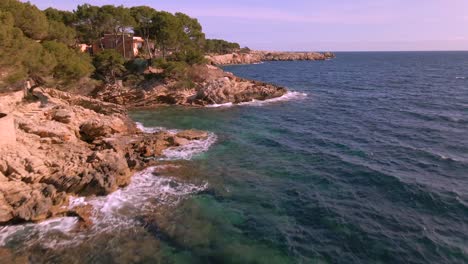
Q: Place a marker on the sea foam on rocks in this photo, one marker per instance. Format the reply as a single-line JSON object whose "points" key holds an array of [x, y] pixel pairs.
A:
{"points": [[147, 191], [290, 95]]}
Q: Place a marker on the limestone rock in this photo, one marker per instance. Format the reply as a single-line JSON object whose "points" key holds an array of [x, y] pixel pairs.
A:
{"points": [[192, 134], [179, 141], [62, 116], [100, 128], [48, 129], [84, 213], [225, 90]]}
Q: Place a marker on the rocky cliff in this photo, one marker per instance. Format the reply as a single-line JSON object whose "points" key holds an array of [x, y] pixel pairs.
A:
{"points": [[259, 56], [69, 145]]}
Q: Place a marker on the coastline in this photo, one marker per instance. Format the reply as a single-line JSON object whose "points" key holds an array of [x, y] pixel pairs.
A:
{"points": [[76, 145], [257, 57]]}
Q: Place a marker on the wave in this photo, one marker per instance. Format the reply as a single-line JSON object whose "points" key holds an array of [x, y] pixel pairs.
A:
{"points": [[146, 192], [290, 95], [460, 77], [187, 152], [151, 130]]}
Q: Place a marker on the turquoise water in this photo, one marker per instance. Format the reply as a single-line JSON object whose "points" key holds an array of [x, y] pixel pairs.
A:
{"points": [[370, 167]]}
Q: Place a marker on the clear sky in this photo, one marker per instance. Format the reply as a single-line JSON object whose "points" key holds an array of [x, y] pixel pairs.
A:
{"points": [[335, 25]]}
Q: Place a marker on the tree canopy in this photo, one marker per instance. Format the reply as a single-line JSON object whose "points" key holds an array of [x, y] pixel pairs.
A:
{"points": [[43, 44], [220, 46]]}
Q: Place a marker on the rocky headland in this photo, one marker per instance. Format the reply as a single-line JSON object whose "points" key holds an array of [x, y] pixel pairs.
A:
{"points": [[261, 56], [209, 85], [54, 145]]}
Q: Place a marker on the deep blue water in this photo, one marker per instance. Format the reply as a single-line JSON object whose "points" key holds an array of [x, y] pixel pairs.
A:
{"points": [[370, 167]]}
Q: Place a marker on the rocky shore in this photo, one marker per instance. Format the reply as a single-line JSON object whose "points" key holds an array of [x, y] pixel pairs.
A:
{"points": [[210, 85], [260, 56], [56, 145]]}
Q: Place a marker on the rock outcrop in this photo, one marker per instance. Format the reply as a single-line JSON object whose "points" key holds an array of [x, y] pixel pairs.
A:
{"points": [[210, 86], [226, 90], [260, 56], [71, 145]]}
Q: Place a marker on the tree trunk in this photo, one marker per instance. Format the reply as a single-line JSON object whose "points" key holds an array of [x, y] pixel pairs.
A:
{"points": [[123, 44], [147, 46]]}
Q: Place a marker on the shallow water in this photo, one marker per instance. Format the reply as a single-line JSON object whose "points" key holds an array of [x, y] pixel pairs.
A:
{"points": [[367, 162]]}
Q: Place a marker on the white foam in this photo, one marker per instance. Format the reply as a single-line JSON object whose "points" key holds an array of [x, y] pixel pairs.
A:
{"points": [[290, 95], [220, 105], [151, 130], [146, 192], [460, 77], [143, 196], [187, 152], [29, 234]]}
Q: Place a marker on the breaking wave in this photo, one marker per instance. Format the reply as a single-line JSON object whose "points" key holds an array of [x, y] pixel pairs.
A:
{"points": [[286, 97]]}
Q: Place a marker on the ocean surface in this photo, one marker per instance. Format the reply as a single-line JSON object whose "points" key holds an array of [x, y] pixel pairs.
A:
{"points": [[365, 161]]}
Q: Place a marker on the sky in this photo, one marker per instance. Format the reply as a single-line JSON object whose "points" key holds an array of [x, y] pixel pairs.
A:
{"points": [[319, 25]]}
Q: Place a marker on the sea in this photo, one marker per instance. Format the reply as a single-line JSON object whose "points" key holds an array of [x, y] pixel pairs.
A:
{"points": [[365, 160]]}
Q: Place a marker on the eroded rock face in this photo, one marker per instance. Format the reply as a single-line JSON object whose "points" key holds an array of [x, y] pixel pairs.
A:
{"points": [[71, 146]]}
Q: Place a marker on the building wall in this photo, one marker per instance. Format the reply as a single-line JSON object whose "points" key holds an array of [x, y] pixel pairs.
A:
{"points": [[115, 42]]}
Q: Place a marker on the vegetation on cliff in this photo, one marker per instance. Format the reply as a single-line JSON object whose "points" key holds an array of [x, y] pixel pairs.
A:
{"points": [[43, 45]]}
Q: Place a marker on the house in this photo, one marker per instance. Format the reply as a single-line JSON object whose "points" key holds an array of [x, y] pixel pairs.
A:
{"points": [[126, 44]]}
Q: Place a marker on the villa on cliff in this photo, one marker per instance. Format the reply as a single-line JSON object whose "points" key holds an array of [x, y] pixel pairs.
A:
{"points": [[126, 44]]}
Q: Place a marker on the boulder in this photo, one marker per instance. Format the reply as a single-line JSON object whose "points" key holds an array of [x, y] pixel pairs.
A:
{"points": [[101, 128], [179, 141], [48, 129], [62, 115], [84, 214], [192, 134]]}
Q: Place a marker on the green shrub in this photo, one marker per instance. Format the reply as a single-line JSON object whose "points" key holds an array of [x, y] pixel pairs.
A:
{"points": [[71, 65], [136, 65], [109, 65]]}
